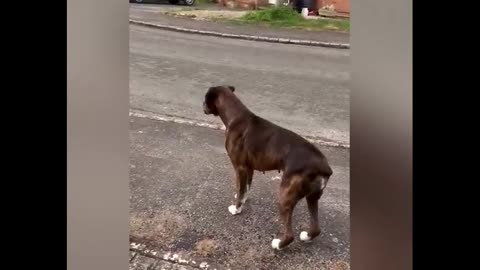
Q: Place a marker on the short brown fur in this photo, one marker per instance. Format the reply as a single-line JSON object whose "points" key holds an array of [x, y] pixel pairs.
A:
{"points": [[256, 144]]}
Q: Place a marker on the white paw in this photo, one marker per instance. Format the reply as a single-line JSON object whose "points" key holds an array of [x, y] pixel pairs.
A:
{"points": [[276, 244], [235, 196], [304, 237], [234, 210]]}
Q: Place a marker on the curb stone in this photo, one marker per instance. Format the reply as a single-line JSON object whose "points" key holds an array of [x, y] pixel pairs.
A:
{"points": [[146, 258], [141, 263], [245, 37], [147, 263]]}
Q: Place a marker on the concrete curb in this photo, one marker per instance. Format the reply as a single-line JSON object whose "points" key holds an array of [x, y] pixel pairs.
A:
{"points": [[245, 37], [149, 258]]}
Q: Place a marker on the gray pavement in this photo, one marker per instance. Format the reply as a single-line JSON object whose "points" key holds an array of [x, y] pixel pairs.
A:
{"points": [[181, 186], [181, 180], [302, 88], [153, 13]]}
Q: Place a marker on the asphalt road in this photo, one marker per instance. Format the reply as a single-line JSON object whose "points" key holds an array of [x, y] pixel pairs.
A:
{"points": [[182, 184], [181, 179], [302, 88]]}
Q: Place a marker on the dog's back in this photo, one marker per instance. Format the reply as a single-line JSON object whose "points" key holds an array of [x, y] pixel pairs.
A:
{"points": [[289, 151]]}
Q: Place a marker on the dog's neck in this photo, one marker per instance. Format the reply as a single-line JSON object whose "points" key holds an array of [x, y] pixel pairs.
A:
{"points": [[231, 110]]}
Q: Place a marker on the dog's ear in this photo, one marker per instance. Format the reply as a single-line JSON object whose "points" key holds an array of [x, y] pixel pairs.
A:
{"points": [[232, 88]]}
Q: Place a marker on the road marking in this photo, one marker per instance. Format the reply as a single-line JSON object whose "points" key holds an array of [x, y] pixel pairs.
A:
{"points": [[182, 120]]}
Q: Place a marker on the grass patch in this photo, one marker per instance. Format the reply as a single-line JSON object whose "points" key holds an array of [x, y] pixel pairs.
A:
{"points": [[286, 17], [205, 247], [273, 14]]}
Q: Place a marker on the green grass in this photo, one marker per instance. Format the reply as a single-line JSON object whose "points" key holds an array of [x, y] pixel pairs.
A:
{"points": [[286, 17], [273, 14]]}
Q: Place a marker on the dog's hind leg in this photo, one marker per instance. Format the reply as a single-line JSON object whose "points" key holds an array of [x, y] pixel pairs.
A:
{"points": [[289, 196], [314, 231], [241, 181], [316, 188]]}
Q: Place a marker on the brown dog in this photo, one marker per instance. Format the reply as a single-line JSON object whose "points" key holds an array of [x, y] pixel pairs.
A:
{"points": [[253, 143]]}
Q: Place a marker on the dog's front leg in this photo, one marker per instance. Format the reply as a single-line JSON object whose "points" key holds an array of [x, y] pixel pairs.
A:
{"points": [[242, 176]]}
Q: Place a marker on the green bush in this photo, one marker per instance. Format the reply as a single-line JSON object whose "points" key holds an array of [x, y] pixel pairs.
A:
{"points": [[273, 14], [287, 17]]}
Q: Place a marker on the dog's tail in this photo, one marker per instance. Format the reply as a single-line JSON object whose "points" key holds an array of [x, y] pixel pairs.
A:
{"points": [[319, 176]]}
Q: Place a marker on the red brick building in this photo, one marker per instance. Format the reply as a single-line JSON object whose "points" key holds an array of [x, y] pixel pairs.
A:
{"points": [[342, 7]]}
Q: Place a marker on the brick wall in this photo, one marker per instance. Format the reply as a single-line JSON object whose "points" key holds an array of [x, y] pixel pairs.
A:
{"points": [[341, 6]]}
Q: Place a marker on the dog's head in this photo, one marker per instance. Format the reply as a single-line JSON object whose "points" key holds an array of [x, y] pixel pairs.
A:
{"points": [[211, 103]]}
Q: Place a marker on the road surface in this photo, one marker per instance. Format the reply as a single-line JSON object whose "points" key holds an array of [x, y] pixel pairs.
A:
{"points": [[182, 184], [181, 180], [301, 88]]}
